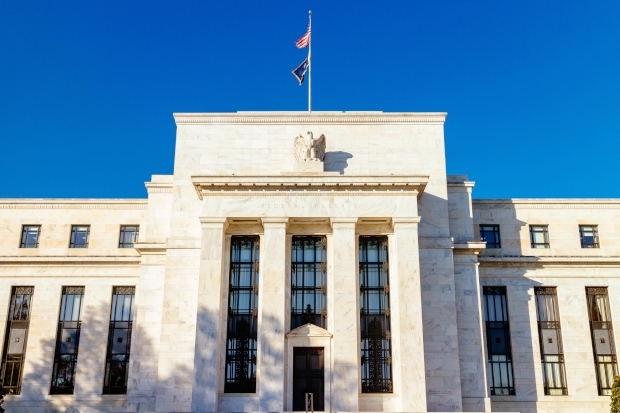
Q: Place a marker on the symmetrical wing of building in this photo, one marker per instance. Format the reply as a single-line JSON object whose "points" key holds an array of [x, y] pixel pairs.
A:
{"points": [[271, 269]]}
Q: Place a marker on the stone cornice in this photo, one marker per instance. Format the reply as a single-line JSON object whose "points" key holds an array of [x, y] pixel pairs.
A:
{"points": [[545, 262], [314, 118], [64, 260], [73, 204], [469, 247], [218, 185], [547, 203]]}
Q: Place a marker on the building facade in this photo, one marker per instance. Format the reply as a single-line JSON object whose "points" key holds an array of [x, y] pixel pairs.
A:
{"points": [[358, 272]]}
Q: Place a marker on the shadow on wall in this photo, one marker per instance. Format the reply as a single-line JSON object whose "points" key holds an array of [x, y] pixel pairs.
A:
{"points": [[336, 161]]}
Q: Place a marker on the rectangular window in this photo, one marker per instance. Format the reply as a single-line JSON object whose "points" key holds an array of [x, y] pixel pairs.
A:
{"points": [[539, 236], [79, 236], [15, 339], [499, 350], [375, 315], [550, 336], [30, 236], [241, 334], [67, 340], [119, 341], [602, 338], [129, 235], [589, 236], [490, 234], [308, 276]]}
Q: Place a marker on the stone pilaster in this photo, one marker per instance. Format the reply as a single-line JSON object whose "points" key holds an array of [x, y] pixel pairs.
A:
{"points": [[272, 315], [208, 325], [405, 279], [474, 387], [346, 350]]}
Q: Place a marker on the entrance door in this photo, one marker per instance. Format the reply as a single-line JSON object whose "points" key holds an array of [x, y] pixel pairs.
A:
{"points": [[308, 377]]}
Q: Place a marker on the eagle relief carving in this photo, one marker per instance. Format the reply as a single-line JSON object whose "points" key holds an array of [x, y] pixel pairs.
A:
{"points": [[309, 149]]}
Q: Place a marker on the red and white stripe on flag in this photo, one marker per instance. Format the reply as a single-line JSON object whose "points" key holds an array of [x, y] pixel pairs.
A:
{"points": [[304, 40]]}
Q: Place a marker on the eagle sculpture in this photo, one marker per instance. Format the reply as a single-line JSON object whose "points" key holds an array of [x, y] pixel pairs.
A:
{"points": [[310, 149]]}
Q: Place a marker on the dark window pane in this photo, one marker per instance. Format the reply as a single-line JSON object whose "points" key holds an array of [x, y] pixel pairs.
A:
{"points": [[539, 236], [499, 349], [119, 341], [603, 345], [375, 331], [589, 236], [79, 236], [490, 234], [30, 236], [308, 276], [241, 335], [129, 236], [67, 340]]}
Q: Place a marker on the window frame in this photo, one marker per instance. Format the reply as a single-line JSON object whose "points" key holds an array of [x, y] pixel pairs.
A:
{"points": [[122, 232], [545, 231], [113, 358], [74, 231], [300, 269], [596, 243], [22, 242], [498, 243]]}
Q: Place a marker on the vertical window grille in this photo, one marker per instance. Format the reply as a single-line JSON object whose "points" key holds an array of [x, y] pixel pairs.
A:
{"points": [[539, 236], [588, 234], [30, 236], [79, 236], [602, 338], [499, 351], [308, 275], [15, 339], [129, 235], [241, 336], [67, 340], [550, 336], [490, 235], [375, 315], [119, 341]]}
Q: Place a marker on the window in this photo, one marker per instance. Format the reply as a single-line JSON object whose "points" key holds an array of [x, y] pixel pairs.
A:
{"points": [[602, 338], [308, 275], [375, 315], [67, 340], [14, 353], [119, 341], [550, 337], [539, 236], [241, 334], [129, 235], [490, 234], [589, 236], [79, 236], [30, 236], [499, 351]]}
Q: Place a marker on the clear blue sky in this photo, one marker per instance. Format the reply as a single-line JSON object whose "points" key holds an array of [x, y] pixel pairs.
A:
{"points": [[88, 89]]}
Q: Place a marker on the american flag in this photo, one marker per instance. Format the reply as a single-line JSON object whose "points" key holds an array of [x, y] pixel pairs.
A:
{"points": [[304, 40]]}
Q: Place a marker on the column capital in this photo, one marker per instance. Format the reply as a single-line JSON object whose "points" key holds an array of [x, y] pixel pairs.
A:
{"points": [[407, 221], [214, 222], [275, 221], [341, 221]]}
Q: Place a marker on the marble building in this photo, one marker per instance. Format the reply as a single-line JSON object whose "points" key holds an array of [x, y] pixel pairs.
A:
{"points": [[273, 263]]}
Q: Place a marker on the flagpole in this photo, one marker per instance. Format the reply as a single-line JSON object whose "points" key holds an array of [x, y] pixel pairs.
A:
{"points": [[310, 61]]}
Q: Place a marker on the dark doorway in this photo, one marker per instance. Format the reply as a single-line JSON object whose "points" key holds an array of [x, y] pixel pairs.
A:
{"points": [[308, 377]]}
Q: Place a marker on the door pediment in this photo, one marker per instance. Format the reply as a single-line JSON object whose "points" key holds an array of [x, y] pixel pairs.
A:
{"points": [[308, 330]]}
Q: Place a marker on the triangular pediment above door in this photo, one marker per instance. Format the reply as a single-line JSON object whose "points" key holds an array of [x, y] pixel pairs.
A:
{"points": [[308, 330]]}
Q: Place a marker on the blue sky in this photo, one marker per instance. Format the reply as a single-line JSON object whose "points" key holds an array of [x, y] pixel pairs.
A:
{"points": [[88, 89]]}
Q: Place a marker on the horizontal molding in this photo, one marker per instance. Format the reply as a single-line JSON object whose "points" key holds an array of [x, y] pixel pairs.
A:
{"points": [[544, 262], [64, 260], [309, 185], [72, 204], [546, 203], [304, 118]]}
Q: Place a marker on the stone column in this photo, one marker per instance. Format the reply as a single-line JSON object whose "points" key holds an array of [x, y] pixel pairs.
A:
{"points": [[208, 326], [346, 350], [405, 277], [272, 315]]}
